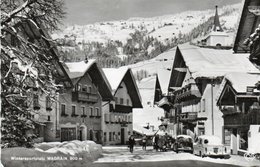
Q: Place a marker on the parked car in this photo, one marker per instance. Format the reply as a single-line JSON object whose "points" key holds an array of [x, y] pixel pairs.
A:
{"points": [[210, 146], [183, 143]]}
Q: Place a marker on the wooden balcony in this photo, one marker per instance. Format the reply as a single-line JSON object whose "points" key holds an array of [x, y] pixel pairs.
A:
{"points": [[188, 117], [188, 92], [84, 97], [123, 109], [242, 119], [230, 110]]}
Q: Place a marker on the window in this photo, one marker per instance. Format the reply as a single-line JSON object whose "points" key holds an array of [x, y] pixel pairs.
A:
{"points": [[114, 136], [127, 102], [63, 110], [84, 88], [98, 112], [105, 136], [201, 131], [110, 136], [36, 104], [203, 105], [243, 139], [199, 107], [79, 87], [206, 141], [89, 89], [91, 111], [48, 103], [121, 101], [83, 109], [227, 136], [73, 111]]}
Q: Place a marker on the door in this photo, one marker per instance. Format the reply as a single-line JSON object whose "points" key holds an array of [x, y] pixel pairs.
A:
{"points": [[122, 136], [68, 134]]}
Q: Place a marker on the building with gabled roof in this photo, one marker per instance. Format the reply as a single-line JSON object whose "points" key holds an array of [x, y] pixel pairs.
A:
{"points": [[238, 98], [117, 124], [81, 107], [195, 78], [247, 38]]}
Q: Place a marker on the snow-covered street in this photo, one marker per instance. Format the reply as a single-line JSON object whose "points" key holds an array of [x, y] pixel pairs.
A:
{"points": [[115, 154]]}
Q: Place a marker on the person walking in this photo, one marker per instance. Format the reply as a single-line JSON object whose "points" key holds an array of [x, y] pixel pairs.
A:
{"points": [[131, 143], [144, 142], [156, 140]]}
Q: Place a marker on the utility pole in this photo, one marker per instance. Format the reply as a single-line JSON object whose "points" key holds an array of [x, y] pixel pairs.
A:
{"points": [[212, 106]]}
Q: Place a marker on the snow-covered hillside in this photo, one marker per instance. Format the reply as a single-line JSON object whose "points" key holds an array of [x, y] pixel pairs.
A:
{"points": [[161, 27]]}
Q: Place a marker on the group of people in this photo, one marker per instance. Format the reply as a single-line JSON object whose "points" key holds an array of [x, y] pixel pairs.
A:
{"points": [[159, 142], [131, 142]]}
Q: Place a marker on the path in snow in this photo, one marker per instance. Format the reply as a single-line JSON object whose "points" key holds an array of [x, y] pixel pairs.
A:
{"points": [[122, 154]]}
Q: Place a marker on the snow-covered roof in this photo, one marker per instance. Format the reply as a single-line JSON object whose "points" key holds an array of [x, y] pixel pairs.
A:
{"points": [[211, 63], [147, 89], [240, 81], [164, 79], [141, 130], [147, 83], [115, 76], [78, 69]]}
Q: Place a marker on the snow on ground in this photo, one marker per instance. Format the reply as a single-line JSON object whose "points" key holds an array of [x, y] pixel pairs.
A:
{"points": [[52, 154], [122, 154], [72, 147]]}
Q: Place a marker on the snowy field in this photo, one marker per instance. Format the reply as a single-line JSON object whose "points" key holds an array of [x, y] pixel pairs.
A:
{"points": [[121, 154]]}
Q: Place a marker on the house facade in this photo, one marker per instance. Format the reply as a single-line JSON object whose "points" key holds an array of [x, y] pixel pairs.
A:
{"points": [[41, 102], [117, 115], [195, 80], [238, 101], [80, 108], [239, 95]]}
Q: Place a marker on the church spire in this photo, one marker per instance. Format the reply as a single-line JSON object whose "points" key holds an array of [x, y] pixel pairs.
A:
{"points": [[217, 26]]}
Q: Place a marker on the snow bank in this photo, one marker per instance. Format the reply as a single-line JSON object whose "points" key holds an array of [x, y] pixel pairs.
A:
{"points": [[59, 154], [72, 148]]}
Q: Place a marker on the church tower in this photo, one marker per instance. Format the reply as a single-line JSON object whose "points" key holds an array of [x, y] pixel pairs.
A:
{"points": [[217, 26], [217, 37]]}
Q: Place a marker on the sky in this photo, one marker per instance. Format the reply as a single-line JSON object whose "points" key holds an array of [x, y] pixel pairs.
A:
{"points": [[90, 11]]}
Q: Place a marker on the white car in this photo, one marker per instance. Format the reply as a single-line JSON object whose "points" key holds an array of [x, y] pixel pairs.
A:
{"points": [[210, 146]]}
